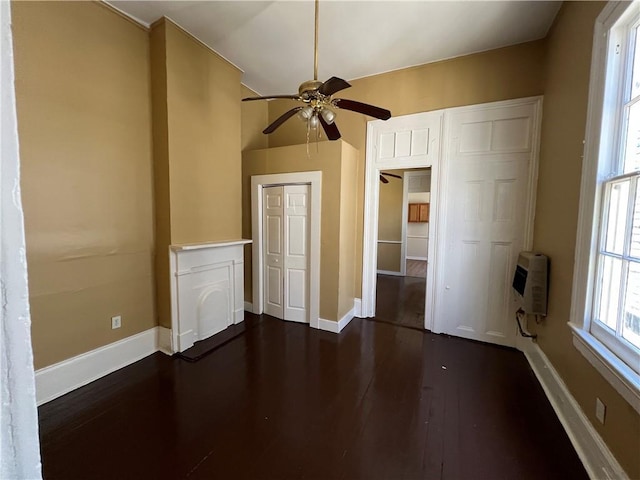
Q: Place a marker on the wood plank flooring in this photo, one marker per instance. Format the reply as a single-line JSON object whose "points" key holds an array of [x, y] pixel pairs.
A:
{"points": [[400, 300], [416, 268], [285, 401]]}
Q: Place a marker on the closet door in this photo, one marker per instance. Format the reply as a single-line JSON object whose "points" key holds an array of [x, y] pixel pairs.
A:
{"points": [[286, 251], [273, 213]]}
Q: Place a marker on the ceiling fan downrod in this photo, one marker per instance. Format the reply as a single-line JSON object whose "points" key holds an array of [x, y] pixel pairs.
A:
{"points": [[319, 105], [315, 44]]}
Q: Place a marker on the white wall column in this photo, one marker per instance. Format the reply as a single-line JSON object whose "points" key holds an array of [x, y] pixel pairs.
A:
{"points": [[19, 443]]}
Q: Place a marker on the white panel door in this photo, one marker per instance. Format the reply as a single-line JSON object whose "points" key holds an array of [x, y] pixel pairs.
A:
{"points": [[273, 227], [486, 200], [286, 252], [296, 255]]}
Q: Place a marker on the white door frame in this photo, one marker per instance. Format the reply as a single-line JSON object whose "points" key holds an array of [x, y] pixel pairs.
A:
{"points": [[439, 182], [258, 182], [373, 167]]}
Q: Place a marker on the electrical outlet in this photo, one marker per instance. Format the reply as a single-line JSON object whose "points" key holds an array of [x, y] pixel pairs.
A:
{"points": [[116, 322], [601, 410]]}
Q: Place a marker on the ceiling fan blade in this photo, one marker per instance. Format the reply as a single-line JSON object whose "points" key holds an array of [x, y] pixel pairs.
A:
{"points": [[281, 119], [330, 129], [391, 175], [383, 180], [360, 107], [333, 85], [272, 97]]}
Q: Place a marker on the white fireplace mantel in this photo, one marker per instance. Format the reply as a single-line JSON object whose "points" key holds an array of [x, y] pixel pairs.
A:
{"points": [[207, 289]]}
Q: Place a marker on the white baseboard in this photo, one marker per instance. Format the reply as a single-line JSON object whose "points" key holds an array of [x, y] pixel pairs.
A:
{"points": [[357, 307], [248, 306], [328, 325], [56, 380], [388, 272], [424, 259], [164, 340], [333, 326], [593, 452]]}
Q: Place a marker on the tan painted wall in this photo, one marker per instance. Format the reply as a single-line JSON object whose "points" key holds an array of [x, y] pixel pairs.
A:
{"points": [[204, 135], [162, 203], [197, 134], [84, 123], [348, 178], [390, 223], [255, 118], [563, 129], [501, 74], [327, 158]]}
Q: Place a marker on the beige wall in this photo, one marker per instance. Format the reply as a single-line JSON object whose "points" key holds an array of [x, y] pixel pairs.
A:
{"points": [[255, 118], [563, 129], [390, 223], [204, 137], [327, 158], [197, 137], [84, 124], [347, 244], [501, 74]]}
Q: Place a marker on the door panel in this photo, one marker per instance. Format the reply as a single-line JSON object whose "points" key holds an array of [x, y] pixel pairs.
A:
{"points": [[273, 253], [296, 259], [486, 201]]}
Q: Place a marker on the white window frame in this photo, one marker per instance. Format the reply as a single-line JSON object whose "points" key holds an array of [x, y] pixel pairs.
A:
{"points": [[600, 141]]}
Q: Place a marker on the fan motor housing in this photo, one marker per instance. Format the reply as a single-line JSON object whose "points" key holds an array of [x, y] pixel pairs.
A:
{"points": [[310, 86]]}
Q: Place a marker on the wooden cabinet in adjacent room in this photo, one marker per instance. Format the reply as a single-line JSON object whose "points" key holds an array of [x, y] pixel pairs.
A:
{"points": [[418, 212]]}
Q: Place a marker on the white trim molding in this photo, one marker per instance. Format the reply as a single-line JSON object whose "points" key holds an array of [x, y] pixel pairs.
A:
{"points": [[165, 340], [593, 452], [390, 272], [621, 377], [336, 327], [258, 182], [357, 307], [427, 125], [63, 377]]}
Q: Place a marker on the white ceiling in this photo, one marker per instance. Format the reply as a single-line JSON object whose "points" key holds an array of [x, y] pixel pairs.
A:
{"points": [[272, 41]]}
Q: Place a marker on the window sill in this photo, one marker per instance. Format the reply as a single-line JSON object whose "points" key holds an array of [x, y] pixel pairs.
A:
{"points": [[621, 377]]}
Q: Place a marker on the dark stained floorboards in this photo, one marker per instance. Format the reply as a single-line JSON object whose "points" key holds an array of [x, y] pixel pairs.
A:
{"points": [[400, 300], [283, 401]]}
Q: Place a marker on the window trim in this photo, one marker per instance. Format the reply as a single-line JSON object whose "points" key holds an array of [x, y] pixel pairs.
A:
{"points": [[624, 379]]}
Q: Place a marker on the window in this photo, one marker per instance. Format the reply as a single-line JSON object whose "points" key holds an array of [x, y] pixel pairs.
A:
{"points": [[616, 309], [606, 290]]}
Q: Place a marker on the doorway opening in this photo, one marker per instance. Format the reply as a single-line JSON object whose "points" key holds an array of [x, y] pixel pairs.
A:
{"points": [[402, 254]]}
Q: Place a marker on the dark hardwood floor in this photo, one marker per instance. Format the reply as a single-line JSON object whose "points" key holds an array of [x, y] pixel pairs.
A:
{"points": [[400, 300], [284, 401]]}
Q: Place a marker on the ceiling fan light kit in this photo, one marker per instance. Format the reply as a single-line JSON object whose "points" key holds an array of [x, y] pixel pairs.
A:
{"points": [[320, 105]]}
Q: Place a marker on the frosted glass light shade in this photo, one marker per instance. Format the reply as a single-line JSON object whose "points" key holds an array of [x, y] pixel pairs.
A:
{"points": [[328, 115], [306, 113]]}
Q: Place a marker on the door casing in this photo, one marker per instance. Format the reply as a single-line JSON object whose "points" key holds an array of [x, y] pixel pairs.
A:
{"points": [[258, 182], [435, 122]]}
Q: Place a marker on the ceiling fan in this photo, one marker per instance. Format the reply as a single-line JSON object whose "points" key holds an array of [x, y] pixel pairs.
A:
{"points": [[319, 104], [385, 180]]}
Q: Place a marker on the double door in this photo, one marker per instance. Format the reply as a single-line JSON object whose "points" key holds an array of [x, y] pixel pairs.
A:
{"points": [[286, 251]]}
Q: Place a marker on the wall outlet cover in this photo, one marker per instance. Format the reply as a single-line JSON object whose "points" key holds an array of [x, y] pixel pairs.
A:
{"points": [[116, 322]]}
